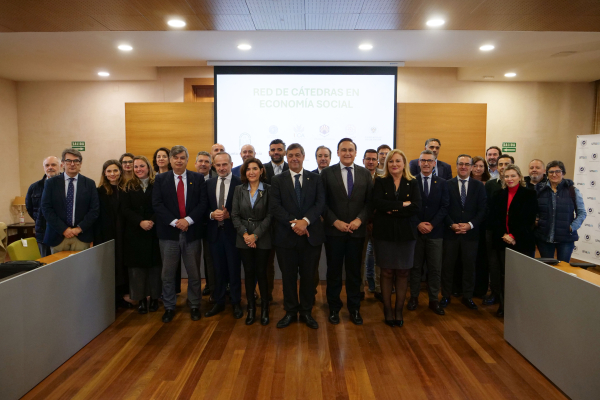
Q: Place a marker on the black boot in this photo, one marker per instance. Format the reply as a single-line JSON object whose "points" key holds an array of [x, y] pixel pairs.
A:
{"points": [[153, 305], [143, 306], [264, 313], [251, 313]]}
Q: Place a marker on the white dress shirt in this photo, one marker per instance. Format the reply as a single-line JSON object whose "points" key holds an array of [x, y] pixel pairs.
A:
{"points": [[494, 174], [345, 175], [293, 175], [466, 189], [184, 179], [218, 189], [277, 169], [75, 179]]}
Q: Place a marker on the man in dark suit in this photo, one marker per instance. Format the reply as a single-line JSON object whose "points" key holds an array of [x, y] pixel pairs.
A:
{"points": [[440, 168], [246, 152], [221, 237], [277, 164], [349, 196], [33, 200], [430, 224], [466, 212], [70, 205], [179, 201], [323, 157], [297, 202], [203, 166]]}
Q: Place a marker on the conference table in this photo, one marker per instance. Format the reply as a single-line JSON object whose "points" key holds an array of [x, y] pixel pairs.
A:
{"points": [[551, 317], [56, 256]]}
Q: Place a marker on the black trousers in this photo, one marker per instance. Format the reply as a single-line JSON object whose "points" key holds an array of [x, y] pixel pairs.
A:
{"points": [[209, 268], [467, 249], [255, 263], [228, 269], [301, 260], [344, 251]]}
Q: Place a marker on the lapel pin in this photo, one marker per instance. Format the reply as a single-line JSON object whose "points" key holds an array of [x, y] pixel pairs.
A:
{"points": [[190, 183], [434, 181]]}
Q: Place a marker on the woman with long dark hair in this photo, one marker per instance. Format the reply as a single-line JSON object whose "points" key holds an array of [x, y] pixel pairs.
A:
{"points": [[160, 160]]}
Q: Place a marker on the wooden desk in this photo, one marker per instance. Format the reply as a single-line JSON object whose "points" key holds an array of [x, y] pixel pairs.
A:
{"points": [[56, 256], [580, 272]]}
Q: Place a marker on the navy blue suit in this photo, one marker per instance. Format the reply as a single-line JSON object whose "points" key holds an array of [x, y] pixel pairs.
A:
{"points": [[444, 170], [226, 257], [237, 171], [434, 207], [53, 207]]}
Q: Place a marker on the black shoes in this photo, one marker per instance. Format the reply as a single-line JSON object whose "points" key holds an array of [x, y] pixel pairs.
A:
{"points": [[217, 308], [500, 312], [469, 303], [143, 306], [436, 308], [195, 313], [206, 291], [287, 320], [444, 302], [237, 311], [356, 318], [490, 300], [264, 314], [251, 315], [334, 317], [399, 323], [390, 322], [413, 302], [153, 305], [168, 316], [309, 321]]}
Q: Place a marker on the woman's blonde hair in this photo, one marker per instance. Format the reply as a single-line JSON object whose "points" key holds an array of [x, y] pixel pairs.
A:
{"points": [[405, 173], [518, 171], [135, 183]]}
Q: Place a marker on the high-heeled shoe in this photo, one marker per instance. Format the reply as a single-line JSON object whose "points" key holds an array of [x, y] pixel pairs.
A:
{"points": [[264, 313], [399, 323], [143, 306], [388, 322]]}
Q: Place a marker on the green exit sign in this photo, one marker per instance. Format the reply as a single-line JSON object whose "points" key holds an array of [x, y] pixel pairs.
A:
{"points": [[509, 147], [78, 146]]}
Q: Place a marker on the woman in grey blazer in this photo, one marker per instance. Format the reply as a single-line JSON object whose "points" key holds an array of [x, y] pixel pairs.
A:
{"points": [[252, 221]]}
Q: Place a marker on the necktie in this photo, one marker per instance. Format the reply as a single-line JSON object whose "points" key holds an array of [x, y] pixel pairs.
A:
{"points": [[463, 192], [298, 189], [221, 198], [434, 172], [70, 201], [350, 181], [181, 197], [425, 186]]}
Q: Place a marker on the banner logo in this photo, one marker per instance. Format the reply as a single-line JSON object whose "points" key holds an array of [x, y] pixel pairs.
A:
{"points": [[298, 131], [583, 142], [587, 237], [273, 129], [582, 169], [592, 183], [324, 130], [594, 156], [597, 254], [590, 210]]}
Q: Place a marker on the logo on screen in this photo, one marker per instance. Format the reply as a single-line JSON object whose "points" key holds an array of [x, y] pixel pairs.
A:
{"points": [[324, 130], [373, 129], [299, 131], [350, 130], [273, 129]]}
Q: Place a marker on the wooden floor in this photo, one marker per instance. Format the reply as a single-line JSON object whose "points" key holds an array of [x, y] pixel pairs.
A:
{"points": [[458, 356]]}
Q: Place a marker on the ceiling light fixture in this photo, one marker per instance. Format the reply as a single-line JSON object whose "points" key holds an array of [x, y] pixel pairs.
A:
{"points": [[103, 73], [510, 74], [125, 47], [176, 23], [365, 46], [487, 47], [435, 22], [244, 47]]}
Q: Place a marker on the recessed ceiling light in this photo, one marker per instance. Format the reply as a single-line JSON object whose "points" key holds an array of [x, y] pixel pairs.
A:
{"points": [[510, 74], [244, 47], [435, 22], [176, 23], [487, 47], [103, 73], [125, 47], [365, 46]]}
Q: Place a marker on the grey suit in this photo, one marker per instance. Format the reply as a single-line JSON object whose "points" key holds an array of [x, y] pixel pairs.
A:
{"points": [[255, 220]]}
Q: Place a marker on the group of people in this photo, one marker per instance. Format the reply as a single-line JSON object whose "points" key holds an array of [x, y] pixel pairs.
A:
{"points": [[392, 219]]}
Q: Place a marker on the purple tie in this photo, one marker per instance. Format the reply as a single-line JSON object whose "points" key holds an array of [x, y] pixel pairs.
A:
{"points": [[70, 200], [350, 181]]}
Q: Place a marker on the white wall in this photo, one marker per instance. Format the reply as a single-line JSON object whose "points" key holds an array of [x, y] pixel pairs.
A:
{"points": [[9, 143]]}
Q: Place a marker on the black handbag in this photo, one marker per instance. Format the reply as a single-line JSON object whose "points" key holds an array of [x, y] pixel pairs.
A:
{"points": [[14, 267]]}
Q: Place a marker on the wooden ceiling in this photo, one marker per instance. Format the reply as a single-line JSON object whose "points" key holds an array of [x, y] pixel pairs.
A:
{"points": [[250, 15]]}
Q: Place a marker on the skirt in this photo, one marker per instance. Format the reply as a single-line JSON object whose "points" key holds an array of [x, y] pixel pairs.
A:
{"points": [[394, 255]]}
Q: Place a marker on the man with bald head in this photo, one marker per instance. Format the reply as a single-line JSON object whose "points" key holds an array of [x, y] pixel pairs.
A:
{"points": [[246, 152], [33, 199], [537, 173], [214, 150]]}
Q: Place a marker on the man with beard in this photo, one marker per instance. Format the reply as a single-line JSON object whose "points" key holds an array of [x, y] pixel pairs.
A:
{"points": [[441, 169], [491, 155], [537, 173], [34, 198], [277, 165]]}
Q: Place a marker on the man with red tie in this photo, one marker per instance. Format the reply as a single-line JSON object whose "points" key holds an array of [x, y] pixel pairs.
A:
{"points": [[179, 202]]}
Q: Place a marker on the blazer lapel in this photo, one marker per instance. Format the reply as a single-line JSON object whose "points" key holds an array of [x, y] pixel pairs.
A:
{"points": [[337, 171], [358, 183], [63, 190]]}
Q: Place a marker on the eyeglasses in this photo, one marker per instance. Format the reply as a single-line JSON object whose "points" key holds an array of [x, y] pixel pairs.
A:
{"points": [[557, 172], [370, 159], [464, 164], [426, 161], [69, 162], [127, 162]]}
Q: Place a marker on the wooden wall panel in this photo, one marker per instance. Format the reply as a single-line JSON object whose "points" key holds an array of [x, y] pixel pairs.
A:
{"points": [[149, 126], [461, 127]]}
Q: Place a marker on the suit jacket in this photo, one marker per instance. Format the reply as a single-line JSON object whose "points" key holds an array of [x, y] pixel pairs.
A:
{"points": [[400, 224], [236, 171], [250, 219], [284, 208], [53, 207], [434, 207], [473, 211], [444, 170], [166, 206], [342, 207], [33, 200], [521, 219], [270, 173], [212, 228]]}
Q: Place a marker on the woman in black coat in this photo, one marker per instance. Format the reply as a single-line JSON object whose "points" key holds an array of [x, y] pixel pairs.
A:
{"points": [[396, 200], [513, 213], [142, 257], [109, 224]]}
